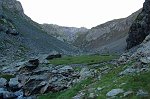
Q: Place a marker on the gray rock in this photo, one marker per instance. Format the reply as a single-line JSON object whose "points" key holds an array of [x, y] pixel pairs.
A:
{"points": [[19, 93], [142, 93], [9, 95], [53, 79], [3, 82], [145, 60], [84, 73], [9, 70], [122, 59], [65, 69], [128, 71], [41, 77], [114, 92], [44, 89], [32, 64], [12, 32], [79, 96], [44, 61], [53, 55], [41, 70], [99, 89], [2, 90], [128, 93], [14, 83], [135, 68], [54, 71], [31, 97], [33, 87], [28, 66]]}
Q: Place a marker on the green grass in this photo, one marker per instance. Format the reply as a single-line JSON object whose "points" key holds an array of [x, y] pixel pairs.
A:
{"points": [[68, 94], [6, 76], [139, 81], [132, 83], [3, 21], [85, 59], [107, 81]]}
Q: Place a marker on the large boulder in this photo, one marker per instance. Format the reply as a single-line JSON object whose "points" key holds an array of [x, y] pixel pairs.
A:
{"points": [[30, 65], [3, 82], [9, 95], [53, 55], [14, 84], [140, 28], [12, 32], [114, 92]]}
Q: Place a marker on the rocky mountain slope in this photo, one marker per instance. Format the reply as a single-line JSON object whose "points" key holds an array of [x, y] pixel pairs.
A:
{"points": [[107, 37], [65, 34], [20, 36], [140, 28]]}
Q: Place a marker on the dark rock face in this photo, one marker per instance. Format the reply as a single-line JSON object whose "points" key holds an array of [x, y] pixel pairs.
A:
{"points": [[53, 55], [140, 28], [30, 65]]}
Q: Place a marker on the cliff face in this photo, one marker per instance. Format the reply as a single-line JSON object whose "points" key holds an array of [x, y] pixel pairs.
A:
{"points": [[140, 28]]}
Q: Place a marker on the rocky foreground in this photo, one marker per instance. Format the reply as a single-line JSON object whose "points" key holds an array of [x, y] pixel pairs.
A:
{"points": [[49, 77]]}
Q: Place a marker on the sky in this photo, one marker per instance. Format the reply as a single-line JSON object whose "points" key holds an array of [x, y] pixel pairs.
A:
{"points": [[79, 13]]}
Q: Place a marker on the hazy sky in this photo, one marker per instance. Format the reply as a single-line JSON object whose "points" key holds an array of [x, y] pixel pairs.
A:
{"points": [[79, 13]]}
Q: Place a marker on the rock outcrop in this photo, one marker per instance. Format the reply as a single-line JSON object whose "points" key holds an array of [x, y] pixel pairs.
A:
{"points": [[13, 6], [140, 28]]}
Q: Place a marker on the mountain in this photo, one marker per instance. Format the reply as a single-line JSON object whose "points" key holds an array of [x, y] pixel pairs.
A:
{"points": [[65, 34], [20, 36], [107, 37]]}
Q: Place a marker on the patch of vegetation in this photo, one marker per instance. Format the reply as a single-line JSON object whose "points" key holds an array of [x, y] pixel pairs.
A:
{"points": [[108, 82], [138, 81], [85, 59], [68, 94], [3, 21], [7, 76], [134, 83], [23, 48]]}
